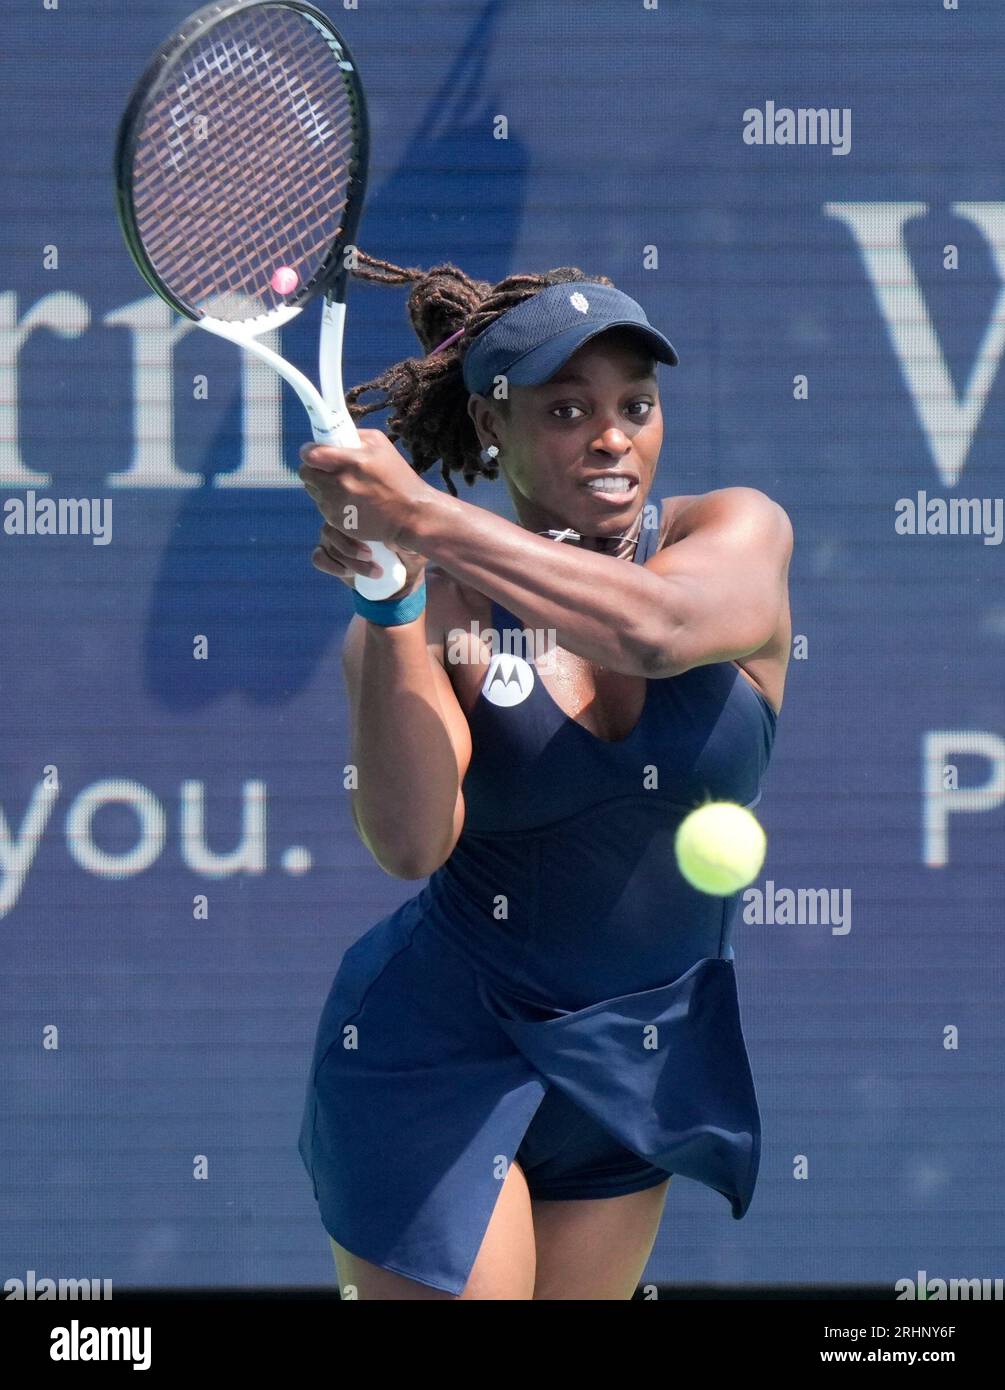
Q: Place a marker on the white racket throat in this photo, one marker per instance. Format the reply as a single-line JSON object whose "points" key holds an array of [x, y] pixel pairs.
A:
{"points": [[330, 420]]}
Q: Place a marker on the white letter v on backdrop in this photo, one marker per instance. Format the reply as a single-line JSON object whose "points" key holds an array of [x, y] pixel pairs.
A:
{"points": [[949, 424]]}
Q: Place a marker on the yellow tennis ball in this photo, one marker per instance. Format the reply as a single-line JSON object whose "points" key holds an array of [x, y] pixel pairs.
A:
{"points": [[720, 848]]}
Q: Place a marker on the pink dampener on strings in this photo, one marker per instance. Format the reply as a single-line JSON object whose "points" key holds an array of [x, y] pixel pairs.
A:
{"points": [[284, 280]]}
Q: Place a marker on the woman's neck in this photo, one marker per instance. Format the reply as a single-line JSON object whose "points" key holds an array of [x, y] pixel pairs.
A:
{"points": [[622, 546]]}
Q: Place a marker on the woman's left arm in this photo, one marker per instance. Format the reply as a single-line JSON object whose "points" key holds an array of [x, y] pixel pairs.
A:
{"points": [[713, 595]]}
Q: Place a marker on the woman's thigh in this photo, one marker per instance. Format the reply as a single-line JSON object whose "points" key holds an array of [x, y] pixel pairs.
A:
{"points": [[596, 1248], [504, 1269]]}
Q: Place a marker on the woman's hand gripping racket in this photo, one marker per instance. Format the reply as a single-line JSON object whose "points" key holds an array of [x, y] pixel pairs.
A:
{"points": [[241, 171]]}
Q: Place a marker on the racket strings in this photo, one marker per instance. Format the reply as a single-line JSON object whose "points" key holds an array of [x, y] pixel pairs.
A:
{"points": [[260, 248], [242, 162], [219, 59]]}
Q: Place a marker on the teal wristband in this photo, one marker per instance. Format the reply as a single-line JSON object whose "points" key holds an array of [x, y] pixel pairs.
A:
{"points": [[391, 612]]}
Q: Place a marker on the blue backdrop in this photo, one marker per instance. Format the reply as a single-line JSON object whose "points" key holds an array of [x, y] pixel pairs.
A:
{"points": [[179, 872]]}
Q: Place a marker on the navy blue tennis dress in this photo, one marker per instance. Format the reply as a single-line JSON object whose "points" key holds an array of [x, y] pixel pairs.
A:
{"points": [[556, 993]]}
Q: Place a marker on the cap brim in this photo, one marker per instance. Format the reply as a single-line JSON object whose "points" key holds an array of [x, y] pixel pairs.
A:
{"points": [[541, 363]]}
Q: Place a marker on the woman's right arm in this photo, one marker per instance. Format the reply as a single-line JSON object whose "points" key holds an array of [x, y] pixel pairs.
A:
{"points": [[411, 744]]}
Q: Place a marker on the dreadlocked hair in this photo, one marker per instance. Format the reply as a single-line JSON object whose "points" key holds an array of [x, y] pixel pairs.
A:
{"points": [[427, 395]]}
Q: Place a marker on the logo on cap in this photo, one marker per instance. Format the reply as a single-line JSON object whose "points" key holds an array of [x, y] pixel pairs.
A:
{"points": [[579, 301]]}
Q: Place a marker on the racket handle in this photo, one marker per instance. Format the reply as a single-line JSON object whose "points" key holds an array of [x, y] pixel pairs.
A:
{"points": [[343, 434], [383, 586], [334, 425]]}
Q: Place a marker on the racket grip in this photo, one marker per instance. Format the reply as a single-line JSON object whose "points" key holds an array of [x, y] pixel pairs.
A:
{"points": [[340, 430], [386, 584]]}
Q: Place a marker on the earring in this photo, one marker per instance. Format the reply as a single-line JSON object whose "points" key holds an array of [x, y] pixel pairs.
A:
{"points": [[489, 454]]}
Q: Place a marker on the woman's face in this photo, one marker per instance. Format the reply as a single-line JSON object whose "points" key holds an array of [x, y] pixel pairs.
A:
{"points": [[600, 414]]}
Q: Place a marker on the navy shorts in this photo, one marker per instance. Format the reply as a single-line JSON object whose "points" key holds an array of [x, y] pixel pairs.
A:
{"points": [[566, 1155], [427, 1082]]}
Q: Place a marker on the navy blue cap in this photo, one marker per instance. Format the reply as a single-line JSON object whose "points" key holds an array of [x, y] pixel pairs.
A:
{"points": [[529, 343]]}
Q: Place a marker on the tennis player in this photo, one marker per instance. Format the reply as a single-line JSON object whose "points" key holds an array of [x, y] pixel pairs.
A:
{"points": [[510, 1066]]}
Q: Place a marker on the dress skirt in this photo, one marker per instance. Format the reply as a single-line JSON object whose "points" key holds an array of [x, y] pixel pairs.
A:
{"points": [[426, 1080]]}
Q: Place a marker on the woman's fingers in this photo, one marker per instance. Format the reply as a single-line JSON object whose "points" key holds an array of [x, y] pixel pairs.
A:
{"points": [[350, 556], [322, 561]]}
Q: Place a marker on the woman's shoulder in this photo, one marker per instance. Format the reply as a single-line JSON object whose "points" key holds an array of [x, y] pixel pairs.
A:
{"points": [[678, 515], [451, 605], [669, 511]]}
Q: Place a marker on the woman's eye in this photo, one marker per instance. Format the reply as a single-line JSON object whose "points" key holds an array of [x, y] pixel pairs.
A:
{"points": [[573, 412]]}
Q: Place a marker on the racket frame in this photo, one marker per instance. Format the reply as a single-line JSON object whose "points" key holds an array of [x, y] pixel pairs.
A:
{"points": [[326, 408]]}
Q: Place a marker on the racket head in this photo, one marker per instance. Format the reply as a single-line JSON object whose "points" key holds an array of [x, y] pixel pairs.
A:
{"points": [[241, 154]]}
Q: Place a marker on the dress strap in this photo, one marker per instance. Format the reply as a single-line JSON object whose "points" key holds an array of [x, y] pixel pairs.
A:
{"points": [[648, 541]]}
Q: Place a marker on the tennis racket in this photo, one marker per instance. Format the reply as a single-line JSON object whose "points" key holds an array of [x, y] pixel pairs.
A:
{"points": [[240, 169]]}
